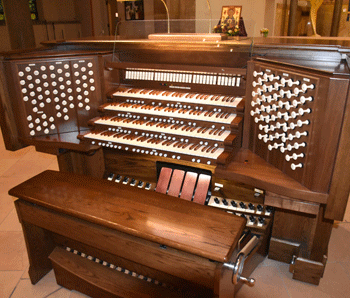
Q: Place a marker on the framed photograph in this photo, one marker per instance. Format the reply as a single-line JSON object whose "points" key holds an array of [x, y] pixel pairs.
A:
{"points": [[134, 10], [230, 15]]}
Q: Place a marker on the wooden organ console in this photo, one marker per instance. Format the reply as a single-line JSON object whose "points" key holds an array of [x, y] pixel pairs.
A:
{"points": [[153, 137]]}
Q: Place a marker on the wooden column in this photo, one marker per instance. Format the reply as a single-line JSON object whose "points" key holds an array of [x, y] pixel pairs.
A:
{"points": [[336, 17], [292, 17], [19, 24]]}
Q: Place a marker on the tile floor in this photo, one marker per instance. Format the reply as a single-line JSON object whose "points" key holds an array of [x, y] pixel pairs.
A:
{"points": [[273, 278]]}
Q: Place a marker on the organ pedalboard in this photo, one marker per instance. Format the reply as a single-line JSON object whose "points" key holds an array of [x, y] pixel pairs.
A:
{"points": [[172, 122]]}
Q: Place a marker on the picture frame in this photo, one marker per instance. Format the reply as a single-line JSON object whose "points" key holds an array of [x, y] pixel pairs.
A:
{"points": [[231, 14], [134, 10]]}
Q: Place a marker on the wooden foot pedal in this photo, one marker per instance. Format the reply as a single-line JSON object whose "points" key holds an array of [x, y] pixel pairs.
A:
{"points": [[91, 278]]}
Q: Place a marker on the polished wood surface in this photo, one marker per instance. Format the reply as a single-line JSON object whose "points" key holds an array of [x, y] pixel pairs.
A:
{"points": [[152, 216]]}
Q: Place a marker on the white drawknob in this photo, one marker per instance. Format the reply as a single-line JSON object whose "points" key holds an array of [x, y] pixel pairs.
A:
{"points": [[301, 123], [305, 87], [282, 115], [304, 99], [294, 166], [286, 104], [265, 98], [256, 93], [294, 156], [257, 111], [256, 84], [296, 146], [260, 136], [253, 103], [271, 128], [276, 96], [306, 111], [291, 83], [268, 77], [281, 125], [271, 88], [260, 80], [255, 73], [300, 134], [278, 135], [275, 146], [297, 90], [278, 85], [261, 127], [265, 118]]}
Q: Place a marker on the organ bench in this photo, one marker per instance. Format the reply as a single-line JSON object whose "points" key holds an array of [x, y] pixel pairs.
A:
{"points": [[84, 223]]}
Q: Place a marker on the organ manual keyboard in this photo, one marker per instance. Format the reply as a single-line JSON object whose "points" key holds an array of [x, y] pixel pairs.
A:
{"points": [[253, 135]]}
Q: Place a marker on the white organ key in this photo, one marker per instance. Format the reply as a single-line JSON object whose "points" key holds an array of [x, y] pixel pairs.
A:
{"points": [[180, 130], [238, 81], [191, 149], [185, 97]]}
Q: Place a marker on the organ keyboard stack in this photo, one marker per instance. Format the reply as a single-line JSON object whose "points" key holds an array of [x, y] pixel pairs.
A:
{"points": [[258, 134], [173, 122]]}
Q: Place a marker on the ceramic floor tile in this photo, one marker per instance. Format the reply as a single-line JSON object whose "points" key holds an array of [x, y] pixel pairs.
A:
{"points": [[8, 282], [61, 293], [25, 274], [6, 164], [13, 253], [28, 168], [346, 267], [79, 295], [269, 284], [34, 155], [46, 286], [15, 154], [6, 205], [338, 249], [11, 222], [334, 284], [347, 212], [269, 262]]}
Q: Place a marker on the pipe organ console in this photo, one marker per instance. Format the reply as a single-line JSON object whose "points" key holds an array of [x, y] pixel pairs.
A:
{"points": [[199, 160]]}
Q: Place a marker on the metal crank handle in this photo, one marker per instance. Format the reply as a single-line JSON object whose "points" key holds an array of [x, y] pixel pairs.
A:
{"points": [[237, 267]]}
